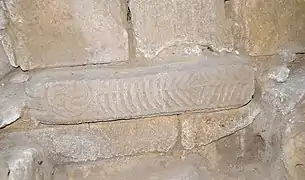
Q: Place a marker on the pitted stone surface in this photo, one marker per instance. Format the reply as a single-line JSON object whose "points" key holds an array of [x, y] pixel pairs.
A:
{"points": [[203, 128], [65, 33], [179, 27], [27, 163], [86, 142], [265, 27], [207, 83]]}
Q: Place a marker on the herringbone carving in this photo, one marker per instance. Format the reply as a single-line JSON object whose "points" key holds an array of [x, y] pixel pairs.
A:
{"points": [[166, 91]]}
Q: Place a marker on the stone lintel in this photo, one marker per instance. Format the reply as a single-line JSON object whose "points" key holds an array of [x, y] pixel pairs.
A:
{"points": [[83, 94]]}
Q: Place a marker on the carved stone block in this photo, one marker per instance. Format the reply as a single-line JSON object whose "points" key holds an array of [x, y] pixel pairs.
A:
{"points": [[75, 95], [48, 33], [179, 27]]}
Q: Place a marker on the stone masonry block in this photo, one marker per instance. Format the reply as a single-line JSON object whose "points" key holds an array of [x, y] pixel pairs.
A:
{"points": [[75, 95], [203, 128], [48, 33], [178, 27], [85, 142], [264, 27]]}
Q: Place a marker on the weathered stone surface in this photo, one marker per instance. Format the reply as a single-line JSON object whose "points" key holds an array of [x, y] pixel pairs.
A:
{"points": [[4, 171], [12, 97], [74, 95], [284, 97], [148, 167], [27, 163], [279, 73], [240, 156], [264, 27], [100, 140], [5, 66], [65, 33], [202, 128], [294, 157], [281, 122], [179, 26]]}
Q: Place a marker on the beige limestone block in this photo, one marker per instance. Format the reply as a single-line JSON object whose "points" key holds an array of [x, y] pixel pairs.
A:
{"points": [[177, 27], [85, 142], [56, 33], [75, 95], [264, 27], [203, 128]]}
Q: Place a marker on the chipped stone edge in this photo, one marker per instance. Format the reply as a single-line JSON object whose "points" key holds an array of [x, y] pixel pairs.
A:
{"points": [[188, 141]]}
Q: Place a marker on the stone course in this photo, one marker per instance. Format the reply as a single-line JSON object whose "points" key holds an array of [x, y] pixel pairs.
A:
{"points": [[77, 143], [206, 83]]}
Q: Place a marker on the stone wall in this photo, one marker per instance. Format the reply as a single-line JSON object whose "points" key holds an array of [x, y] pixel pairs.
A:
{"points": [[103, 81]]}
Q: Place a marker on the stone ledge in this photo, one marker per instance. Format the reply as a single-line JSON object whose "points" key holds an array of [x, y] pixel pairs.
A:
{"points": [[69, 96], [93, 94]]}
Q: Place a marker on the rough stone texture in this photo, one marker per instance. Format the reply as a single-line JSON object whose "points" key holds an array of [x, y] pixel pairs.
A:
{"points": [[281, 122], [84, 142], [294, 156], [264, 27], [279, 74], [179, 27], [64, 33], [12, 97], [150, 167], [5, 66], [203, 128], [285, 96], [293, 143], [27, 163], [74, 95], [240, 156]]}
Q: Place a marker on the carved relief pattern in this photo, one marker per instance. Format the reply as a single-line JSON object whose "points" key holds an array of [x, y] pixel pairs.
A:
{"points": [[69, 99], [210, 88]]}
